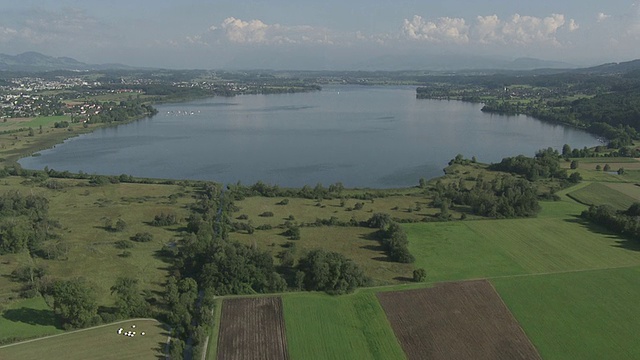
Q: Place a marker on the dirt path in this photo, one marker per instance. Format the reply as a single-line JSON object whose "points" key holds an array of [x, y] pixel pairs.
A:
{"points": [[81, 330]]}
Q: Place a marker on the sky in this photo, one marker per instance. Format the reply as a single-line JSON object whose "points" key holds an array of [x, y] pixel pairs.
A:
{"points": [[330, 34]]}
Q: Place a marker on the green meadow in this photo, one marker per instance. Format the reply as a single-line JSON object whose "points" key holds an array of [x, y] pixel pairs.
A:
{"points": [[101, 342], [577, 315], [354, 326], [602, 193]]}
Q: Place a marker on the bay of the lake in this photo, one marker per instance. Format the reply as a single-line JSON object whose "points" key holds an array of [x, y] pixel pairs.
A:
{"points": [[361, 136]]}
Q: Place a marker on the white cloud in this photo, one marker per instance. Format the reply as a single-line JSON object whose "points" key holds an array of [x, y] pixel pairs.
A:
{"points": [[525, 30], [487, 29], [573, 25], [257, 32], [7, 34], [239, 31], [600, 17], [442, 30], [519, 29]]}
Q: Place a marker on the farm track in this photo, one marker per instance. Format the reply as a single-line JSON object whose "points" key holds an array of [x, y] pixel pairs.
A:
{"points": [[460, 320], [252, 328], [80, 330]]}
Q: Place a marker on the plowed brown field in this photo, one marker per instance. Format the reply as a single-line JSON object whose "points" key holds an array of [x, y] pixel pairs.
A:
{"points": [[463, 320], [252, 329]]}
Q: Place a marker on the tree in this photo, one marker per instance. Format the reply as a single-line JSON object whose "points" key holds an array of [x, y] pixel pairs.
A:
{"points": [[621, 171], [419, 275], [75, 304], [422, 183], [598, 167], [293, 232], [379, 221], [129, 301], [574, 164], [566, 150], [142, 237], [575, 177], [120, 225], [607, 167]]}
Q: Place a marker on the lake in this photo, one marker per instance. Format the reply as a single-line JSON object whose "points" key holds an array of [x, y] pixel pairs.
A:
{"points": [[361, 136]]}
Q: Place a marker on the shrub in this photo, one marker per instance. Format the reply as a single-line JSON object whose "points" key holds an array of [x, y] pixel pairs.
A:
{"points": [[142, 237], [419, 275], [267, 214], [123, 244]]}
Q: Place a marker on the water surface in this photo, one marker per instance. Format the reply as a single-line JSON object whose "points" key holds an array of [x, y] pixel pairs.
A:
{"points": [[360, 136]]}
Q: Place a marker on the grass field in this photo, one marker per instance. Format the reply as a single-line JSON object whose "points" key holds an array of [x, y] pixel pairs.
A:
{"points": [[27, 318], [35, 123], [307, 210], [629, 189], [354, 242], [490, 248], [81, 210], [101, 342], [579, 315], [320, 326], [603, 194]]}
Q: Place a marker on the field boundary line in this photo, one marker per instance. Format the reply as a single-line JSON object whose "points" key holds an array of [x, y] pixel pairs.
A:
{"points": [[515, 320], [557, 272], [77, 331]]}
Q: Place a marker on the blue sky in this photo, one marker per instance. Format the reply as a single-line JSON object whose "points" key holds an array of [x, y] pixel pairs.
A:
{"points": [[319, 34]]}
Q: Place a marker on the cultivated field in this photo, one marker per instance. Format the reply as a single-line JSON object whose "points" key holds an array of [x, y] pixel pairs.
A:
{"points": [[252, 329], [321, 326], [102, 342], [465, 320], [603, 193], [493, 248], [629, 189], [577, 315]]}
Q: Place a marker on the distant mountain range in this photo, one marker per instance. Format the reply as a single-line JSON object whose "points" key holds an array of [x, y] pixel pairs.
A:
{"points": [[34, 61]]}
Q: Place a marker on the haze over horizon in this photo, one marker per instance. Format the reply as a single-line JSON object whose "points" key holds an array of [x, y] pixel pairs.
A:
{"points": [[332, 35]]}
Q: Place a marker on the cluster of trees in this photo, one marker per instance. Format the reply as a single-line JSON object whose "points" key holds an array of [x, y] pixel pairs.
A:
{"points": [[240, 191], [503, 197], [330, 272], [25, 225], [163, 219], [123, 111], [626, 223], [392, 237], [189, 315], [545, 164]]}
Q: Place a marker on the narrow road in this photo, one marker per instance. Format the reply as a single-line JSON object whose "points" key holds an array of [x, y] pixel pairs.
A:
{"points": [[81, 330]]}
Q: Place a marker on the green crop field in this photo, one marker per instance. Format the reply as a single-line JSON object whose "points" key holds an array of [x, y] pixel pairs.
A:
{"points": [[44, 121], [601, 194], [100, 342], [490, 248], [354, 326], [629, 189], [578, 315]]}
